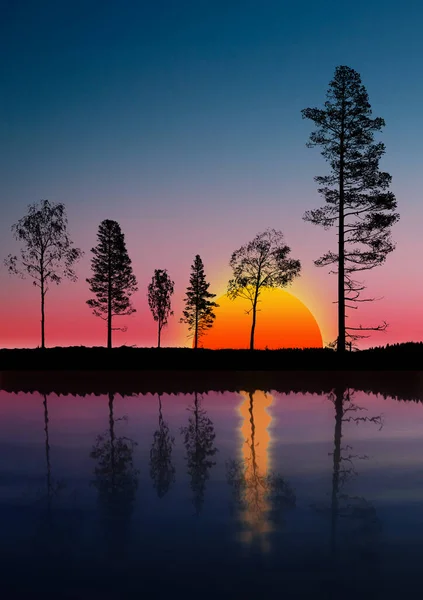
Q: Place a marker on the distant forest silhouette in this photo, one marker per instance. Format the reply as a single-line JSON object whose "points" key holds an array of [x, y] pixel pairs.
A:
{"points": [[358, 204], [408, 356]]}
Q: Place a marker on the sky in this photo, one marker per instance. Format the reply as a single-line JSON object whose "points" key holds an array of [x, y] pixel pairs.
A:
{"points": [[182, 121]]}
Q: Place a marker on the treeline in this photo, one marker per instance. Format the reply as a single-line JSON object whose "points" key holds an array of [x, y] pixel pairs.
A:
{"points": [[358, 204]]}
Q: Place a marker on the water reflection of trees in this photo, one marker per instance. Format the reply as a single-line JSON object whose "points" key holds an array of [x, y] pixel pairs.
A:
{"points": [[260, 495], [53, 487], [361, 525], [162, 469], [53, 535], [199, 436], [115, 478]]}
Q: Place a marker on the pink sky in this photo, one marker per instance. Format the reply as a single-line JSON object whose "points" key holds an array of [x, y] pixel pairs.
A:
{"points": [[165, 243]]}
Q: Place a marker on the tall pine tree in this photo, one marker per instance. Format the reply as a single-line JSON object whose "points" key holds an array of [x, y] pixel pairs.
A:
{"points": [[198, 313], [356, 191], [113, 280]]}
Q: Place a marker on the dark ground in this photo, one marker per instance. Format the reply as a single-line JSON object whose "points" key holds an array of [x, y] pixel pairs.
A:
{"points": [[397, 357], [391, 371]]}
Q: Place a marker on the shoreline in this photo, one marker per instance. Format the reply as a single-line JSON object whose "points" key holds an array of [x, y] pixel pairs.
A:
{"points": [[391, 358]]}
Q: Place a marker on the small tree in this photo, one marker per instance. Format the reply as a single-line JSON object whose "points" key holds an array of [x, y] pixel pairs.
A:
{"points": [[198, 313], [113, 281], [160, 291], [48, 254], [262, 263], [356, 192]]}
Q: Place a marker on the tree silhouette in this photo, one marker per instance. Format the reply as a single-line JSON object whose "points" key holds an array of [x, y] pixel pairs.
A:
{"points": [[116, 479], [50, 486], [160, 291], [262, 263], [199, 439], [48, 254], [51, 535], [198, 313], [113, 280], [356, 509], [162, 470], [356, 192]]}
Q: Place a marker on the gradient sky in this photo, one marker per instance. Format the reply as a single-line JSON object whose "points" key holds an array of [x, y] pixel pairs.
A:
{"points": [[182, 121]]}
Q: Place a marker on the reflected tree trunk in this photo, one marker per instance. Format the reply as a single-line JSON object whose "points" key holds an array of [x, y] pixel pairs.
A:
{"points": [[47, 453], [112, 440], [359, 516], [50, 534], [116, 480], [338, 401], [261, 495], [257, 488]]}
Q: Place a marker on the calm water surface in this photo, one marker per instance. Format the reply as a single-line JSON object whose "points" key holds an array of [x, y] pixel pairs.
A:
{"points": [[227, 495]]}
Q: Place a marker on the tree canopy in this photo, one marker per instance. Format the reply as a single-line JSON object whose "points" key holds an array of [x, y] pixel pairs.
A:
{"points": [[113, 281]]}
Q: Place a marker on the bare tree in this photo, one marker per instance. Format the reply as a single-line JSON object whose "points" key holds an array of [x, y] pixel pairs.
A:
{"points": [[160, 291], [262, 263], [48, 254]]}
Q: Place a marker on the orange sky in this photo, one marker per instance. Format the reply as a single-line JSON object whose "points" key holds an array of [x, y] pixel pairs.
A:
{"points": [[283, 321]]}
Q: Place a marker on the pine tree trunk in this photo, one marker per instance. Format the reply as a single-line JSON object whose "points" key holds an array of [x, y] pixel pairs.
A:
{"points": [[196, 329], [43, 318], [158, 336], [109, 303], [341, 277], [109, 325], [341, 250]]}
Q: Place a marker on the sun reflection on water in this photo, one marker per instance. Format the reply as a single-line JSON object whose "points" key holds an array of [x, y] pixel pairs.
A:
{"points": [[256, 462]]}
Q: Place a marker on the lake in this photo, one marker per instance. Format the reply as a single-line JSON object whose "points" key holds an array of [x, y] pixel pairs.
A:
{"points": [[233, 494]]}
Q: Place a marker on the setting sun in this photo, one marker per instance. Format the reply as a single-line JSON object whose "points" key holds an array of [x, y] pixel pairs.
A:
{"points": [[283, 321]]}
